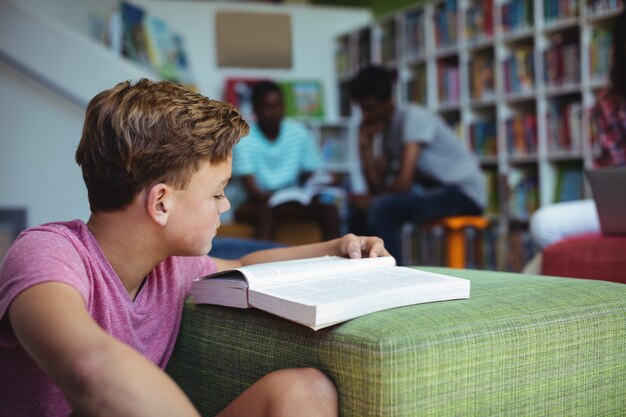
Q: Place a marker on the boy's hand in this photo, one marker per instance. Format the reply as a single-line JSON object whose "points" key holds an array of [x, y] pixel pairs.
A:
{"points": [[357, 247]]}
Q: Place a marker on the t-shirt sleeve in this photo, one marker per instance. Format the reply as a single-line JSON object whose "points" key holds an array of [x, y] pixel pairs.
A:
{"points": [[418, 126], [34, 258], [195, 267]]}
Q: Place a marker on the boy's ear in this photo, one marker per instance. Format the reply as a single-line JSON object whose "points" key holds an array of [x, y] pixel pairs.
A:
{"points": [[158, 203]]}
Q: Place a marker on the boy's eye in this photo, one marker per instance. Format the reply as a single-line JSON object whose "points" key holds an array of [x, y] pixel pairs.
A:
{"points": [[220, 196]]}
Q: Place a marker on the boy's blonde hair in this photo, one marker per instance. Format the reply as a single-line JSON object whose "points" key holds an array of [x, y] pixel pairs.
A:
{"points": [[138, 134]]}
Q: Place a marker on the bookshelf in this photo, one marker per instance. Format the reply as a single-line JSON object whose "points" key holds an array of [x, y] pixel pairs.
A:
{"points": [[514, 77], [334, 139]]}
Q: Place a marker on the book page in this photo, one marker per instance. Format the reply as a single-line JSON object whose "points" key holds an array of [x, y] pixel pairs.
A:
{"points": [[272, 273], [352, 285], [317, 184], [291, 194]]}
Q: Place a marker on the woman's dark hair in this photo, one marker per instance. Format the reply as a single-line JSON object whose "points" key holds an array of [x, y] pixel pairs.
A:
{"points": [[618, 64], [371, 82]]}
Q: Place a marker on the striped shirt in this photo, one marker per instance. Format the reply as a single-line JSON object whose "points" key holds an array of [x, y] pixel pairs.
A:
{"points": [[277, 164]]}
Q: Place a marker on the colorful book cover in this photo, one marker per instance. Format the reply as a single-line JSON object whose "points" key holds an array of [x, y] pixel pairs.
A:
{"points": [[303, 98], [238, 92], [134, 36]]}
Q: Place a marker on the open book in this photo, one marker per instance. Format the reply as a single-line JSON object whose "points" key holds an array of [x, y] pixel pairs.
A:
{"points": [[320, 292], [317, 185]]}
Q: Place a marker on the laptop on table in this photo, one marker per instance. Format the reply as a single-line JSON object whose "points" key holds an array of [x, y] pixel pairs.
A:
{"points": [[609, 193]]}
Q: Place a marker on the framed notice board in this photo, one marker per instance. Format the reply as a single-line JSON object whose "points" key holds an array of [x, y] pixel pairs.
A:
{"points": [[253, 40]]}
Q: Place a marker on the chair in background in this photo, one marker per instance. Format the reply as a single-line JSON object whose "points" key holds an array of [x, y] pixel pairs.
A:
{"points": [[591, 256], [455, 231]]}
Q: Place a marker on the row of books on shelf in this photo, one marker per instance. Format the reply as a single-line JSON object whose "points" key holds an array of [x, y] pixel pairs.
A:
{"points": [[417, 85], [493, 186], [334, 147], [449, 82], [479, 20], [487, 249], [600, 49], [388, 42], [601, 6], [521, 134], [415, 39], [428, 247], [564, 132], [569, 183], [519, 71], [482, 81], [146, 39], [364, 48], [483, 138], [564, 126], [523, 189], [562, 68], [517, 15], [519, 249], [560, 9], [562, 64], [446, 24]]}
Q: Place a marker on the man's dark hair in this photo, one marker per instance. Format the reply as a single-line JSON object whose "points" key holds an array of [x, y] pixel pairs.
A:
{"points": [[371, 82], [260, 89]]}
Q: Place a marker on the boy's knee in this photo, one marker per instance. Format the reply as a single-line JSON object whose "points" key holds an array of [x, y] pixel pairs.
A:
{"points": [[306, 389], [319, 384]]}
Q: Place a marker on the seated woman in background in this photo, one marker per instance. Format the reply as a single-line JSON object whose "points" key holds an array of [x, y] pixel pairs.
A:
{"points": [[558, 221]]}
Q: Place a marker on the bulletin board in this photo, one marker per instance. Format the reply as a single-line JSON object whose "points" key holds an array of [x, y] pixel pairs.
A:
{"points": [[253, 40]]}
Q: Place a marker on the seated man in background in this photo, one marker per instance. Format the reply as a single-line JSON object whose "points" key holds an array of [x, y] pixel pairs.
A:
{"points": [[278, 154], [420, 171]]}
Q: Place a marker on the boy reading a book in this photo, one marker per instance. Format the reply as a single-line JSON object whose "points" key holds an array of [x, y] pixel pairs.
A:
{"points": [[89, 312]]}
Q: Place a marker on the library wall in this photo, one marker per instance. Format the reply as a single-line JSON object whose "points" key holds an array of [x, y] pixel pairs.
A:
{"points": [[40, 131], [41, 128], [313, 34]]}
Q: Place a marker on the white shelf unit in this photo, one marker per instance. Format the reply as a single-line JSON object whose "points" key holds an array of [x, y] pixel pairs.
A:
{"points": [[336, 140], [538, 56]]}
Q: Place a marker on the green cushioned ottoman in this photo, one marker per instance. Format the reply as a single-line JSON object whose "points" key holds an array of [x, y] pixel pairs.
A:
{"points": [[520, 346]]}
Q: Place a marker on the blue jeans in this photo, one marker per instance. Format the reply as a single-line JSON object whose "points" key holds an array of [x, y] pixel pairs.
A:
{"points": [[388, 212]]}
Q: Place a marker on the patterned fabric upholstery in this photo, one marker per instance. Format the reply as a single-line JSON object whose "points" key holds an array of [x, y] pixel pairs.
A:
{"points": [[593, 256], [521, 345]]}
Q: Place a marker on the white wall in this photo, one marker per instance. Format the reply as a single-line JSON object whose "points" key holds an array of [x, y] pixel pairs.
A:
{"points": [[313, 32], [40, 129]]}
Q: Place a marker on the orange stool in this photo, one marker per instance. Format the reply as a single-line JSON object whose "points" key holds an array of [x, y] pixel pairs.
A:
{"points": [[455, 236]]}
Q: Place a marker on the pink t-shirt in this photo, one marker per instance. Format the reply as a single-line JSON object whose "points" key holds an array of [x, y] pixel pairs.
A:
{"points": [[68, 252]]}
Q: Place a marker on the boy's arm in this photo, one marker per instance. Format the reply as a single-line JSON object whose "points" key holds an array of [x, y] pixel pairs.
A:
{"points": [[98, 374], [349, 246]]}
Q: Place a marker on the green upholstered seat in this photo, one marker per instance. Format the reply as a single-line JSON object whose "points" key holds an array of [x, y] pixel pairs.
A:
{"points": [[520, 346]]}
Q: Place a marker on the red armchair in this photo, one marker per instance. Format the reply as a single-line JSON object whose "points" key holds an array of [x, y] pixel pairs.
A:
{"points": [[592, 256]]}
